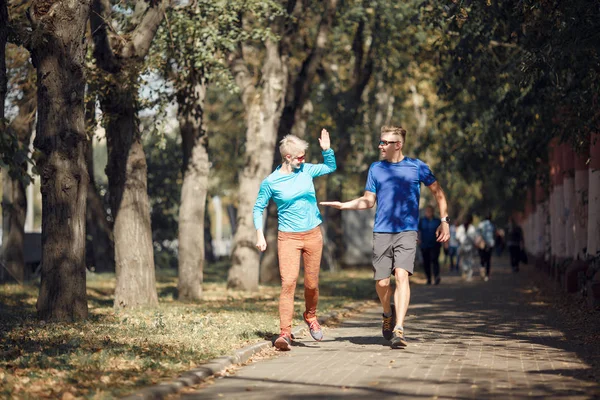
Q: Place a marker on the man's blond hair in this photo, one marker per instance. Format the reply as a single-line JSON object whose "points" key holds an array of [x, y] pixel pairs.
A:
{"points": [[395, 130], [292, 145]]}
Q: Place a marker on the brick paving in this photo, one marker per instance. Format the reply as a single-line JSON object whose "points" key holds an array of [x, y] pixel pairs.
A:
{"points": [[466, 341]]}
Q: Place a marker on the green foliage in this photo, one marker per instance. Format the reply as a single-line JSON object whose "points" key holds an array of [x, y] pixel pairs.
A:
{"points": [[198, 38], [515, 75], [14, 155]]}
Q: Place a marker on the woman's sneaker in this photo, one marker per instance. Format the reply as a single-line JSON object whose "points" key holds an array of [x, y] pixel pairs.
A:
{"points": [[283, 342], [313, 326]]}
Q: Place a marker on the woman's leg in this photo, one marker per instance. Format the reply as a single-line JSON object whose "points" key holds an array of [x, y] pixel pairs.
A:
{"points": [[289, 249], [313, 248]]}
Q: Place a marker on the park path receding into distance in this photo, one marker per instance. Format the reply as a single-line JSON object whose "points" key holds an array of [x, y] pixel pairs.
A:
{"points": [[474, 340]]}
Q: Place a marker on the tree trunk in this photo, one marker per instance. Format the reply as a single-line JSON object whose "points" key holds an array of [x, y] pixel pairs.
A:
{"points": [[351, 100], [263, 106], [269, 263], [11, 257], [294, 118], [14, 198], [193, 191], [420, 111], [209, 251], [128, 188], [122, 57], [58, 53], [14, 205], [100, 251]]}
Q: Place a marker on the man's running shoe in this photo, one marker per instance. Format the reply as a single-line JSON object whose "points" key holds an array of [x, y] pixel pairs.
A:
{"points": [[313, 326], [283, 342], [387, 326], [398, 339]]}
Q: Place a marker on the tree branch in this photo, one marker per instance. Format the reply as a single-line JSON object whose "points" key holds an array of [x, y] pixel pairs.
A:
{"points": [[110, 49]]}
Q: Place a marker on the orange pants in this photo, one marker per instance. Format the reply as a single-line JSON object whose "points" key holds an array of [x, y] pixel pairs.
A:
{"points": [[290, 245]]}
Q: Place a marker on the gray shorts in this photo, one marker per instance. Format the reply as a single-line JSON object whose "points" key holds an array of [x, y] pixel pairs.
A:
{"points": [[393, 250]]}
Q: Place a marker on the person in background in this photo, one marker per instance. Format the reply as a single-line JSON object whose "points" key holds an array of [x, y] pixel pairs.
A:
{"points": [[466, 234], [430, 247], [453, 248], [291, 188], [499, 242], [514, 241], [486, 230]]}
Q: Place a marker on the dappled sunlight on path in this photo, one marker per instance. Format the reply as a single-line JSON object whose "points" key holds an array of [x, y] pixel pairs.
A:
{"points": [[466, 340]]}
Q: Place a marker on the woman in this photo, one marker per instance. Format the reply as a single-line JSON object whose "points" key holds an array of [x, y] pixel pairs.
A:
{"points": [[291, 188], [466, 234]]}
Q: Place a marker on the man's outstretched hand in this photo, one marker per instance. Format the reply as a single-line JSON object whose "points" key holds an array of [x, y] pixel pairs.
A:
{"points": [[334, 204]]}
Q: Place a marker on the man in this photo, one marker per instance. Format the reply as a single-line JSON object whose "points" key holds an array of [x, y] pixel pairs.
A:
{"points": [[430, 247], [486, 229], [395, 183]]}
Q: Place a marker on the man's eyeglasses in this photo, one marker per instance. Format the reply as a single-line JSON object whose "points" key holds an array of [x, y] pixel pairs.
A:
{"points": [[386, 142], [300, 158]]}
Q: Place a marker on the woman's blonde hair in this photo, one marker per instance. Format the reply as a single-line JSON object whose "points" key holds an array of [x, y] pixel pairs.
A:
{"points": [[292, 145]]}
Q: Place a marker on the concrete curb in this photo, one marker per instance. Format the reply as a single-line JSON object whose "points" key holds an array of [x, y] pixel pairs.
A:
{"points": [[214, 366]]}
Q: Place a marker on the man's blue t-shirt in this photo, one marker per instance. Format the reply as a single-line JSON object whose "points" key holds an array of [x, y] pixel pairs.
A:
{"points": [[294, 194], [427, 228], [398, 189]]}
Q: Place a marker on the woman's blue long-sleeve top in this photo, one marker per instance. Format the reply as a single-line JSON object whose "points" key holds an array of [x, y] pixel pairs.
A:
{"points": [[294, 194]]}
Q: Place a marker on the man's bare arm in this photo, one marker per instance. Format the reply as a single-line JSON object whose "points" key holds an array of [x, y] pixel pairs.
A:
{"points": [[443, 231], [362, 203]]}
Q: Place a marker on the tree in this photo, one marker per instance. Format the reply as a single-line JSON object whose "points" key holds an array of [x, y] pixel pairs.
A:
{"points": [[14, 144], [100, 251], [516, 74], [58, 49], [296, 111], [122, 57], [16, 179], [263, 98]]}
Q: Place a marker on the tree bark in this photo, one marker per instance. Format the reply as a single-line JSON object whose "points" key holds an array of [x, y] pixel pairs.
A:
{"points": [[100, 251], [269, 263], [263, 104], [128, 189], [14, 206], [194, 190], [122, 57], [4, 269], [14, 198], [58, 53]]}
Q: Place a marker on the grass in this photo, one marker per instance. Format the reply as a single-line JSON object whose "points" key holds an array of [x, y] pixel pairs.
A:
{"points": [[113, 353]]}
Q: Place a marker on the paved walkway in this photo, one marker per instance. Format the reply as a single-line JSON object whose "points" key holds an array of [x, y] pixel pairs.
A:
{"points": [[476, 340]]}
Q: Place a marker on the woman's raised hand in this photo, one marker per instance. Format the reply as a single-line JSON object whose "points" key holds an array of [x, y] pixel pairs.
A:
{"points": [[324, 140]]}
